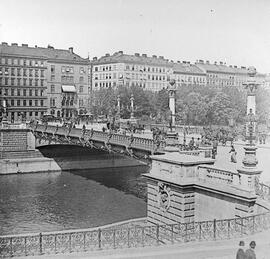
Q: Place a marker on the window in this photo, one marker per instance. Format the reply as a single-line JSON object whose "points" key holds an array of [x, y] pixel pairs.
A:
{"points": [[96, 68], [6, 91], [30, 92], [36, 103], [30, 82], [18, 72], [52, 88], [36, 72], [42, 73], [81, 79], [41, 92], [6, 81], [41, 103], [13, 71], [52, 69], [36, 92], [12, 81], [18, 92], [81, 89], [12, 92], [82, 71], [24, 62], [52, 77], [63, 69], [24, 102], [12, 102], [24, 92], [36, 82], [36, 113], [30, 114], [18, 102], [30, 102], [42, 82], [24, 82], [24, 72], [89, 90]]}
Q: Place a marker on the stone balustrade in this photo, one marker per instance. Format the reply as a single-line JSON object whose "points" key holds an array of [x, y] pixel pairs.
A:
{"points": [[212, 174]]}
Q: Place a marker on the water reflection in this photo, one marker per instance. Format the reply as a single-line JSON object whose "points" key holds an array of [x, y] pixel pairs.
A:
{"points": [[77, 199]]}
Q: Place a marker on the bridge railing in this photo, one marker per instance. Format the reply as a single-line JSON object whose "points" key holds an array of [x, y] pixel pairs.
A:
{"points": [[126, 237], [263, 191]]}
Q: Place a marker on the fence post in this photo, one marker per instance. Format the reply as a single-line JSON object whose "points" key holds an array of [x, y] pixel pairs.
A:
{"points": [[214, 228], [99, 238], [40, 244], [157, 234]]}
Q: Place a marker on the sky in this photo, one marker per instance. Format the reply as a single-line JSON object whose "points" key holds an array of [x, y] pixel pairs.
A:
{"points": [[233, 31]]}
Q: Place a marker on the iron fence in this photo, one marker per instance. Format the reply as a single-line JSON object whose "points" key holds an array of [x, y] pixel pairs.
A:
{"points": [[125, 237]]}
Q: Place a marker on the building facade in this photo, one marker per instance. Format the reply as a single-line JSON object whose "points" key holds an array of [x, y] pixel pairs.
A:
{"points": [[118, 69], [37, 81]]}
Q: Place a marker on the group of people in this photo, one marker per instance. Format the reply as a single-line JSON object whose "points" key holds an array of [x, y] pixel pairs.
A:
{"points": [[249, 253]]}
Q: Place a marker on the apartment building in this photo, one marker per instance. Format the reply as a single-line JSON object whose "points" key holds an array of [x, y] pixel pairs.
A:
{"points": [[35, 81]]}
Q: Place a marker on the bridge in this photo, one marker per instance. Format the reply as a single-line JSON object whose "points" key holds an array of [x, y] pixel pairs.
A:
{"points": [[136, 147]]}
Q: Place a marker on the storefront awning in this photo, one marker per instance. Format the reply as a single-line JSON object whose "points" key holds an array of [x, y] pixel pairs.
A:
{"points": [[68, 89]]}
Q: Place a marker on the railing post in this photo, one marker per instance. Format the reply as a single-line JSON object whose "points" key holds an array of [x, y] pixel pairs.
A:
{"points": [[40, 244], [84, 243], [214, 229], [114, 242], [11, 247], [172, 241], [128, 237], [99, 238], [200, 231], [157, 234], [69, 243], [25, 248]]}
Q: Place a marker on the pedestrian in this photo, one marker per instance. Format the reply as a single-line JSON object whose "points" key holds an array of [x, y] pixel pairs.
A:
{"points": [[250, 253], [240, 252], [197, 143], [233, 154]]}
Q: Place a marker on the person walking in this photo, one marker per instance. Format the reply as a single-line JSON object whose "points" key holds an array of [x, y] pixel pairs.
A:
{"points": [[240, 252], [250, 253], [233, 154]]}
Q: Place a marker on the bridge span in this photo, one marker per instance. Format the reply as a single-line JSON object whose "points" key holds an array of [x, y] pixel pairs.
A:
{"points": [[136, 147]]}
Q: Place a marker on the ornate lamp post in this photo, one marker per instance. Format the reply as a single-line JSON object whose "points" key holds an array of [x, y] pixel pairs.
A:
{"points": [[118, 108], [4, 120], [172, 136], [249, 173]]}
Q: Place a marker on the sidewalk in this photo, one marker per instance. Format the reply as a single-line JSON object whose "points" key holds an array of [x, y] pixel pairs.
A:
{"points": [[222, 249]]}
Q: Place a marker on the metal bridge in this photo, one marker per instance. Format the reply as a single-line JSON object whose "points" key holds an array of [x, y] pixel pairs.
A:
{"points": [[133, 146]]}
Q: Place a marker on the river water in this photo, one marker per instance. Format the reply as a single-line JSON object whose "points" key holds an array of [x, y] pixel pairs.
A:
{"points": [[70, 200]]}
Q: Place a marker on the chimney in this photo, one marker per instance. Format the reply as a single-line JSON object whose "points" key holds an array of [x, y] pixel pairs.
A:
{"points": [[154, 56], [137, 54], [50, 47], [161, 57], [230, 66], [235, 66], [35, 46], [178, 61], [70, 50], [243, 67], [215, 62], [4, 44], [201, 61], [107, 55], [207, 62], [184, 62], [14, 44], [120, 52], [221, 63], [144, 55], [94, 58], [25, 45]]}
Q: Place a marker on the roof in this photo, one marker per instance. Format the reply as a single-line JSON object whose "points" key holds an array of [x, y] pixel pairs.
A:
{"points": [[40, 52], [221, 68], [182, 68], [120, 57]]}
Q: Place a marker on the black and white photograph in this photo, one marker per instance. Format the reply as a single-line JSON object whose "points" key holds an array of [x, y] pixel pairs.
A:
{"points": [[135, 129]]}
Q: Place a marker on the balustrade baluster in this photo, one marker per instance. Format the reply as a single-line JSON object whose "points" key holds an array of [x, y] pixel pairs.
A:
{"points": [[200, 231], [11, 247], [172, 241], [128, 237], [114, 243], [84, 245], [69, 243], [55, 241]]}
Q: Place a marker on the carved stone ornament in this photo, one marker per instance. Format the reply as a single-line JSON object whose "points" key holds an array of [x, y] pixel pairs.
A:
{"points": [[164, 197]]}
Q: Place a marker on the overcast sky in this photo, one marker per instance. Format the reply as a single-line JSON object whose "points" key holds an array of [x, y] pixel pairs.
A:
{"points": [[234, 31]]}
